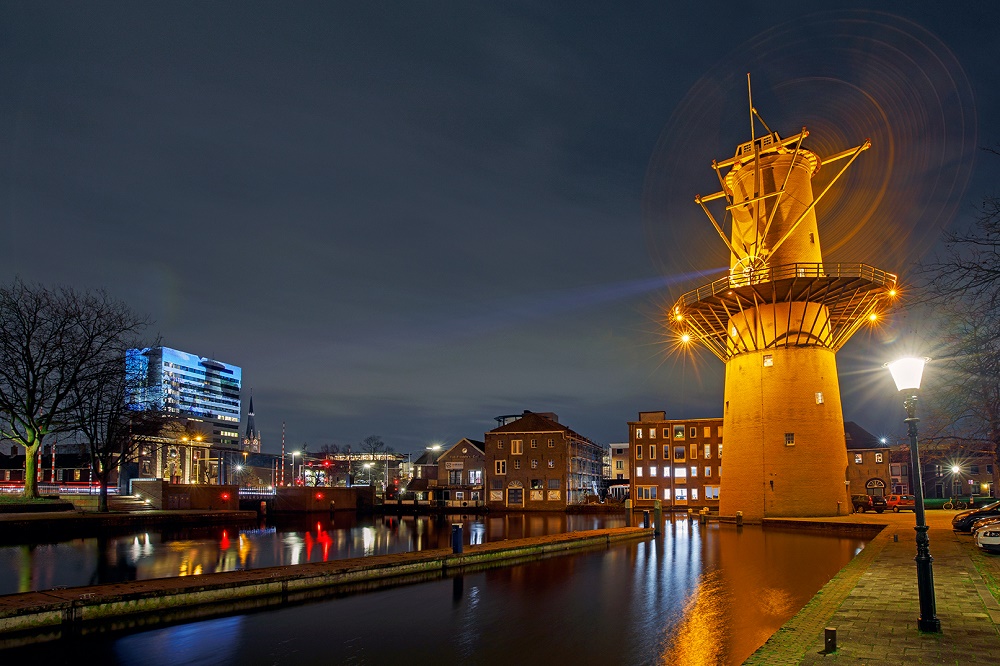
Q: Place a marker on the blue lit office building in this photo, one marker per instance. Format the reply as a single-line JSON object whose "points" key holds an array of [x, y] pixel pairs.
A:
{"points": [[204, 396]]}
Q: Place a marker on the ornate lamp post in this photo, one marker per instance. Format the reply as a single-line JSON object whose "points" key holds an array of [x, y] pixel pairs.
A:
{"points": [[906, 372]]}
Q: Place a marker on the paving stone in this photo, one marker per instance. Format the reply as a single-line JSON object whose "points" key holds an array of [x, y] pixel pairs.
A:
{"points": [[873, 602]]}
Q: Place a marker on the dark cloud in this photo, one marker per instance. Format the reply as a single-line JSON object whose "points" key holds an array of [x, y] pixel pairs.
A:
{"points": [[399, 218]]}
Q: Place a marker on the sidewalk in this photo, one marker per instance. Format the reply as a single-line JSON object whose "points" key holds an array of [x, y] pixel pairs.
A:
{"points": [[873, 604]]}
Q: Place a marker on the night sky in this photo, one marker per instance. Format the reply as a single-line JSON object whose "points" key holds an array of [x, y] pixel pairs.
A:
{"points": [[405, 219]]}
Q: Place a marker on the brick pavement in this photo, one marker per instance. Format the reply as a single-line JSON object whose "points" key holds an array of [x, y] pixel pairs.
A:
{"points": [[873, 604]]}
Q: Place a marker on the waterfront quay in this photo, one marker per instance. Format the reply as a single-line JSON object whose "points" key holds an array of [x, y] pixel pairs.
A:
{"points": [[872, 602], [40, 616]]}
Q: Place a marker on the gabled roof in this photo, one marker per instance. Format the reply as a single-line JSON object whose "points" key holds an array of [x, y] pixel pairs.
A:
{"points": [[859, 438], [479, 446], [534, 422]]}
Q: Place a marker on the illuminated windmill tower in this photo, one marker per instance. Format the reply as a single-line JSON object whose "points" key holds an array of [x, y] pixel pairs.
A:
{"points": [[777, 321]]}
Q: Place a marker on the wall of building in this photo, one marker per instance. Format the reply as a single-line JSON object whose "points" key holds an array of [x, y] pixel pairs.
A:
{"points": [[662, 455]]}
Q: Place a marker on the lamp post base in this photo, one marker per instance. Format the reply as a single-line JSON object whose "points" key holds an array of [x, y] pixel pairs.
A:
{"points": [[931, 626]]}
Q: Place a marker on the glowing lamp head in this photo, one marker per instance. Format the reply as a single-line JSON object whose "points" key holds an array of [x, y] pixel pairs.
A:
{"points": [[225, 497], [955, 469], [906, 372], [892, 293], [685, 338], [873, 316]]}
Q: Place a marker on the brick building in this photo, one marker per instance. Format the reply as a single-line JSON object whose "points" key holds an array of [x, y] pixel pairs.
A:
{"points": [[868, 470], [533, 462], [460, 474], [678, 462]]}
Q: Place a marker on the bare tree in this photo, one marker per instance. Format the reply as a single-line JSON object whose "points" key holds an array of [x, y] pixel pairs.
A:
{"points": [[108, 416], [376, 450], [963, 286], [51, 340]]}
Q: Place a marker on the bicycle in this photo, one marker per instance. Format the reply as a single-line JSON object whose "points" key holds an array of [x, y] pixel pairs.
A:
{"points": [[952, 504]]}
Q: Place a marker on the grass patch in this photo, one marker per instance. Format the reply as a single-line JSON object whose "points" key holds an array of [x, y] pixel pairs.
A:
{"points": [[7, 499]]}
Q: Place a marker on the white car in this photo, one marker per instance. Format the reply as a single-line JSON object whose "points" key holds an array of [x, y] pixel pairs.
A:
{"points": [[987, 537]]}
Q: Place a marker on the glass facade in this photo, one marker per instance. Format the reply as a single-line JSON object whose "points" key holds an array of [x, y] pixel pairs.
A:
{"points": [[183, 384]]}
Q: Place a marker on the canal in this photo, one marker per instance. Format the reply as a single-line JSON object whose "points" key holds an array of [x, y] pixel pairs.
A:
{"points": [[695, 595]]}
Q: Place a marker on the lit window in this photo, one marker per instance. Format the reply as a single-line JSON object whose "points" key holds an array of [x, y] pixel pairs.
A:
{"points": [[652, 433], [718, 432], [516, 447], [857, 458], [638, 433], [694, 452], [708, 452], [638, 471], [552, 463], [720, 453], [666, 471], [694, 471], [501, 466], [652, 470], [678, 432], [768, 360], [680, 474], [694, 494], [711, 492], [789, 439], [680, 494], [878, 459]]}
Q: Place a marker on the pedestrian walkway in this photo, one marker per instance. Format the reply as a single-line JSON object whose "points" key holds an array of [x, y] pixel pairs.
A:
{"points": [[873, 604]]}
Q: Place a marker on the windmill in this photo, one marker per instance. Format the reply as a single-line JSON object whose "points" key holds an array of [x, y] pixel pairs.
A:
{"points": [[777, 321]]}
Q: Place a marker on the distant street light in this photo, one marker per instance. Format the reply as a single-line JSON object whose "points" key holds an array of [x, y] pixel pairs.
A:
{"points": [[293, 454], [907, 372]]}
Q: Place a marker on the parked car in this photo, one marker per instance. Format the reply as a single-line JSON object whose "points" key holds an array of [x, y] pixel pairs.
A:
{"points": [[962, 522], [987, 535], [900, 503], [981, 522], [862, 503]]}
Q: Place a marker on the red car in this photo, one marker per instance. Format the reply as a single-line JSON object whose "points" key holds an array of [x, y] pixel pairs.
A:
{"points": [[900, 503]]}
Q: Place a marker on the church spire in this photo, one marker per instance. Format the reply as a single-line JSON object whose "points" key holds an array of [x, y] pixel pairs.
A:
{"points": [[251, 442]]}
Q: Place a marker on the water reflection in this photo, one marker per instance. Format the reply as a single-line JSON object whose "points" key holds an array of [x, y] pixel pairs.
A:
{"points": [[296, 540], [696, 595]]}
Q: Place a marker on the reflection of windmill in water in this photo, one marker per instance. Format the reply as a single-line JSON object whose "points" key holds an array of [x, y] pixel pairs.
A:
{"points": [[777, 321]]}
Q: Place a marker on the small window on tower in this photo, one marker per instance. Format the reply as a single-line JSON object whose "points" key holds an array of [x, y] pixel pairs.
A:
{"points": [[789, 439], [819, 398], [768, 360]]}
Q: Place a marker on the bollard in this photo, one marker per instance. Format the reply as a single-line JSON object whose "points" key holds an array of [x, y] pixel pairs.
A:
{"points": [[645, 519], [263, 508], [456, 538], [895, 538], [739, 519], [830, 640], [333, 506], [628, 513], [657, 517], [703, 514]]}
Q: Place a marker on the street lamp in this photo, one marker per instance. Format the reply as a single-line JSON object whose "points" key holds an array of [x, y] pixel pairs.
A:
{"points": [[368, 468], [294, 453], [906, 372]]}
